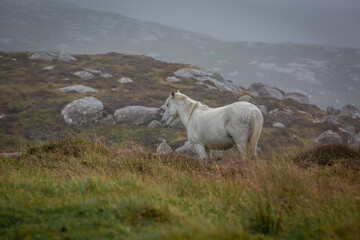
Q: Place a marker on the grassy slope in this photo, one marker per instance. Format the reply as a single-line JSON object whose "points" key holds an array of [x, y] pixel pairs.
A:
{"points": [[77, 189], [30, 98]]}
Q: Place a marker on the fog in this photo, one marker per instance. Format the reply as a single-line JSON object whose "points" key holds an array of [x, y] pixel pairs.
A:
{"points": [[319, 22]]}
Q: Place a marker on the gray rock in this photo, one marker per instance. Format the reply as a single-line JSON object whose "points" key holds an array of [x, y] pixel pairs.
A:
{"points": [[155, 124], [2, 115], [299, 97], [78, 88], [332, 111], [246, 98], [331, 119], [356, 139], [206, 85], [263, 109], [177, 124], [136, 115], [328, 137], [86, 110], [173, 79], [279, 125], [350, 111], [13, 154], [163, 148], [48, 68], [262, 90], [207, 74], [186, 149], [51, 55], [125, 80], [89, 74], [284, 117], [273, 111], [349, 129]]}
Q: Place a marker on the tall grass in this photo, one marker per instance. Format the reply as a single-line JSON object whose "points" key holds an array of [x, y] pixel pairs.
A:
{"points": [[81, 189]]}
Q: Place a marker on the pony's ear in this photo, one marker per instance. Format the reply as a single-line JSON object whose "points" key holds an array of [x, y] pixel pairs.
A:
{"points": [[173, 94], [178, 91]]}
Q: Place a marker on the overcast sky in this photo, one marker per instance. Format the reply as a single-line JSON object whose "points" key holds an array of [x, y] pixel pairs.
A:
{"points": [[321, 22]]}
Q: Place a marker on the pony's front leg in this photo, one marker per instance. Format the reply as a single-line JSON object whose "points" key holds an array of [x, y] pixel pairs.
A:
{"points": [[200, 150]]}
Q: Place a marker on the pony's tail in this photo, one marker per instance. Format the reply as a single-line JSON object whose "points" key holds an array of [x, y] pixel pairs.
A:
{"points": [[258, 121]]}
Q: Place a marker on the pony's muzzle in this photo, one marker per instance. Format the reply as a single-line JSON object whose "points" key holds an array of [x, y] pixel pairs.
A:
{"points": [[163, 121]]}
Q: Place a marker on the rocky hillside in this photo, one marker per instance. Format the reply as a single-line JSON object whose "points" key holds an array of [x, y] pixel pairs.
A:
{"points": [[50, 94], [327, 75]]}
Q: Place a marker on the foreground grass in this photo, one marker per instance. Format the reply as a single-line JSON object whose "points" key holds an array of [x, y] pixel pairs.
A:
{"points": [[78, 189]]}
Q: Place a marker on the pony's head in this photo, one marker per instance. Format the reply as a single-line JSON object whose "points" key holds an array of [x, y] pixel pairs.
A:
{"points": [[171, 112]]}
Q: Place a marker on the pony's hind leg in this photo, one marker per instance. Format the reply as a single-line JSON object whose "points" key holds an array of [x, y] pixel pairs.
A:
{"points": [[242, 149]]}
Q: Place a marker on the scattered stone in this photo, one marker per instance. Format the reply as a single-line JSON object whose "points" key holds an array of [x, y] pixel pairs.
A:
{"points": [[98, 73], [48, 68], [78, 88], [14, 59], [207, 74], [206, 85], [284, 117], [246, 98], [155, 124], [136, 115], [299, 97], [186, 149], [51, 55], [163, 148], [332, 111], [273, 111], [279, 125], [87, 110], [263, 90], [84, 75], [177, 124], [173, 79], [328, 137], [263, 109], [331, 119], [90, 74], [350, 111], [65, 79], [2, 116], [13, 154], [125, 80]]}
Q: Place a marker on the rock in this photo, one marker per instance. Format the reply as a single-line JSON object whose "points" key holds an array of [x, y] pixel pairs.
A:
{"points": [[2, 116], [173, 79], [89, 74], [284, 117], [207, 74], [328, 137], [246, 98], [356, 139], [125, 80], [13, 154], [273, 111], [350, 111], [331, 119], [48, 68], [51, 55], [186, 149], [206, 85], [163, 148], [299, 97], [263, 109], [349, 129], [136, 115], [78, 88], [86, 110], [155, 124], [279, 125], [332, 111], [177, 124], [262, 90]]}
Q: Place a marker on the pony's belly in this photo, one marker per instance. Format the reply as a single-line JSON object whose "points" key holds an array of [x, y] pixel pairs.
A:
{"points": [[218, 144]]}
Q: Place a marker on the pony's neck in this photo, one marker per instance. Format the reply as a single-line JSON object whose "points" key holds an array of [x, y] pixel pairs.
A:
{"points": [[186, 108]]}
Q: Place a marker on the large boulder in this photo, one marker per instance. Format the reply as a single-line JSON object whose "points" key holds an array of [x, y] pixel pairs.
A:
{"points": [[186, 149], [207, 74], [263, 109], [284, 117], [51, 55], [350, 111], [328, 137], [136, 115], [331, 119], [263, 90], [163, 148], [78, 88], [299, 97], [332, 111], [87, 110]]}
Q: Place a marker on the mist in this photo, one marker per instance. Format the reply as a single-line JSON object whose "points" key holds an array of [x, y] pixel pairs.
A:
{"points": [[321, 22]]}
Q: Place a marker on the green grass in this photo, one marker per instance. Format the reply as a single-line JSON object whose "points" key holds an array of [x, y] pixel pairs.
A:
{"points": [[80, 189]]}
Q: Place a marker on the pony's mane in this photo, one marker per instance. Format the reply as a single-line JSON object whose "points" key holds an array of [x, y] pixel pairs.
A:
{"points": [[179, 97]]}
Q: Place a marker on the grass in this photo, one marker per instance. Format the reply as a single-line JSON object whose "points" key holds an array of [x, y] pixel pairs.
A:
{"points": [[76, 188]]}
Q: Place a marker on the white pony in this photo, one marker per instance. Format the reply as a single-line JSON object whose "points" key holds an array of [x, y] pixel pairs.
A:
{"points": [[220, 128]]}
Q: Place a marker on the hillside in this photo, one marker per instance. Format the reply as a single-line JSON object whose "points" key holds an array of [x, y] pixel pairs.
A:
{"points": [[31, 102], [327, 75]]}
